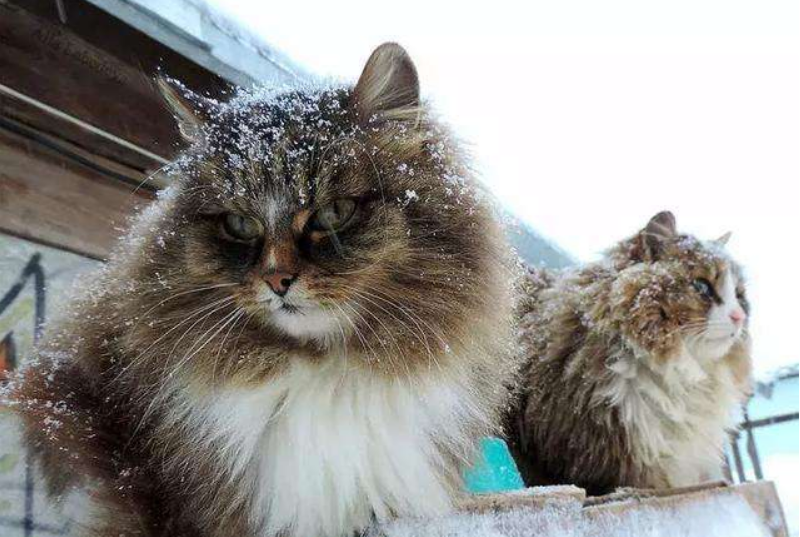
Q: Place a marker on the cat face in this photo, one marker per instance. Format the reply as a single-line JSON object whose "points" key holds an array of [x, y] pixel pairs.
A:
{"points": [[675, 290], [334, 215]]}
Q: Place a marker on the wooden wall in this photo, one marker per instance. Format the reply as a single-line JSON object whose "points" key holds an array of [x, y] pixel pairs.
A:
{"points": [[82, 127]]}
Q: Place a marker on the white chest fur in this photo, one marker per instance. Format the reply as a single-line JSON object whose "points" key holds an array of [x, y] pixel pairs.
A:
{"points": [[322, 448], [677, 415]]}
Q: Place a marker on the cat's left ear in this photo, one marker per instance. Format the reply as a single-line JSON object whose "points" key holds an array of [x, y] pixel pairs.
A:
{"points": [[188, 108], [658, 230], [388, 86], [723, 241]]}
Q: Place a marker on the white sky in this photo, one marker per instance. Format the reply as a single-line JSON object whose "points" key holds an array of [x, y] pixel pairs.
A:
{"points": [[587, 117]]}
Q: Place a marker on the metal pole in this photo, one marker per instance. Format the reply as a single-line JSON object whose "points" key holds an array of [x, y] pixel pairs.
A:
{"points": [[737, 458], [752, 449]]}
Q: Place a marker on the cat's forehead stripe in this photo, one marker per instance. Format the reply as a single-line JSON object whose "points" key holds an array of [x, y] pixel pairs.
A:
{"points": [[272, 212]]}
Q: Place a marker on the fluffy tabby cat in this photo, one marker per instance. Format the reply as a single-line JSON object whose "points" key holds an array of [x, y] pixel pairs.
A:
{"points": [[636, 364], [307, 332]]}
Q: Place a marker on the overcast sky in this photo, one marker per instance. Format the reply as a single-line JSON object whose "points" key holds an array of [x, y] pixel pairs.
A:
{"points": [[587, 117]]}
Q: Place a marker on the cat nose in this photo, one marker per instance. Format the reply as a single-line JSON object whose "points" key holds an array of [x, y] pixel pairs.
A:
{"points": [[737, 316], [279, 282]]}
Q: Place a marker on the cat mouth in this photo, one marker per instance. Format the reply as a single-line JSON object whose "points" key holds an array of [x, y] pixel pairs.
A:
{"points": [[303, 321], [288, 308], [278, 305], [717, 341], [723, 337], [274, 304], [283, 307]]}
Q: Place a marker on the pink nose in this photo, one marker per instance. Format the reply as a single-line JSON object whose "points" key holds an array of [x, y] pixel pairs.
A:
{"points": [[738, 316], [279, 282]]}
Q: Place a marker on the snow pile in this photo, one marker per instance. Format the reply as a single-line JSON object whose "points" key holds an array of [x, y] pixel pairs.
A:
{"points": [[718, 516]]}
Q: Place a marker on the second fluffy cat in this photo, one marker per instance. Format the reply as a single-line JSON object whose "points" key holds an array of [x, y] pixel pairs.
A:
{"points": [[635, 365]]}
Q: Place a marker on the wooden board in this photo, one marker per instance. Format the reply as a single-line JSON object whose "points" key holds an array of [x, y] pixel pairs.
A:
{"points": [[94, 68], [81, 123], [49, 198]]}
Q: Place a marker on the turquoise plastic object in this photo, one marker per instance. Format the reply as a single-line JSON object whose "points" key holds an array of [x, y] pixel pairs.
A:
{"points": [[494, 470]]}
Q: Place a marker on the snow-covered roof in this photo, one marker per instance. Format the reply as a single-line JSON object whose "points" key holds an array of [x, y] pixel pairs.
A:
{"points": [[198, 31]]}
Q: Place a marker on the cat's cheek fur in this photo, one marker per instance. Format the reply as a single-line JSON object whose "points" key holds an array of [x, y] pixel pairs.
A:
{"points": [[721, 332], [324, 446]]}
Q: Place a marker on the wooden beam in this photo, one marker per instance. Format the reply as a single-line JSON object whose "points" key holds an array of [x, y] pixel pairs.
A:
{"points": [[48, 197], [94, 68], [81, 123]]}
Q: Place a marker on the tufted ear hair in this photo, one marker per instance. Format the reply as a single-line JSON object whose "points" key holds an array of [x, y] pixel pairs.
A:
{"points": [[189, 108], [658, 230], [388, 85]]}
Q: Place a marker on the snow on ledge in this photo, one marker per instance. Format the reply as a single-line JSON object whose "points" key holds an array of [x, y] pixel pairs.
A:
{"points": [[747, 511]]}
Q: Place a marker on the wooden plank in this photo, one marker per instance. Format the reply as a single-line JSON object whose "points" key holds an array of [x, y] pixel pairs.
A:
{"points": [[105, 166], [52, 199], [129, 45], [97, 69]]}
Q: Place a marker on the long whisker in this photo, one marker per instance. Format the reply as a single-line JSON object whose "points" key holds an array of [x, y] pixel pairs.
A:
{"points": [[419, 334], [369, 326], [192, 352], [240, 313], [344, 339], [356, 331], [184, 293], [199, 311]]}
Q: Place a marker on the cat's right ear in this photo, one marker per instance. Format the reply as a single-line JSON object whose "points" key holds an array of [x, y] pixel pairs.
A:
{"points": [[723, 240], [185, 106], [658, 230], [388, 87]]}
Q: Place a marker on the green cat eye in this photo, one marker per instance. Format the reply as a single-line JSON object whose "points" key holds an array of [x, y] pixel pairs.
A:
{"points": [[334, 216], [241, 228]]}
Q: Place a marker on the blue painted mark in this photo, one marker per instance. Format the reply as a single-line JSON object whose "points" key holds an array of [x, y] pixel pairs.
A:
{"points": [[494, 470]]}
